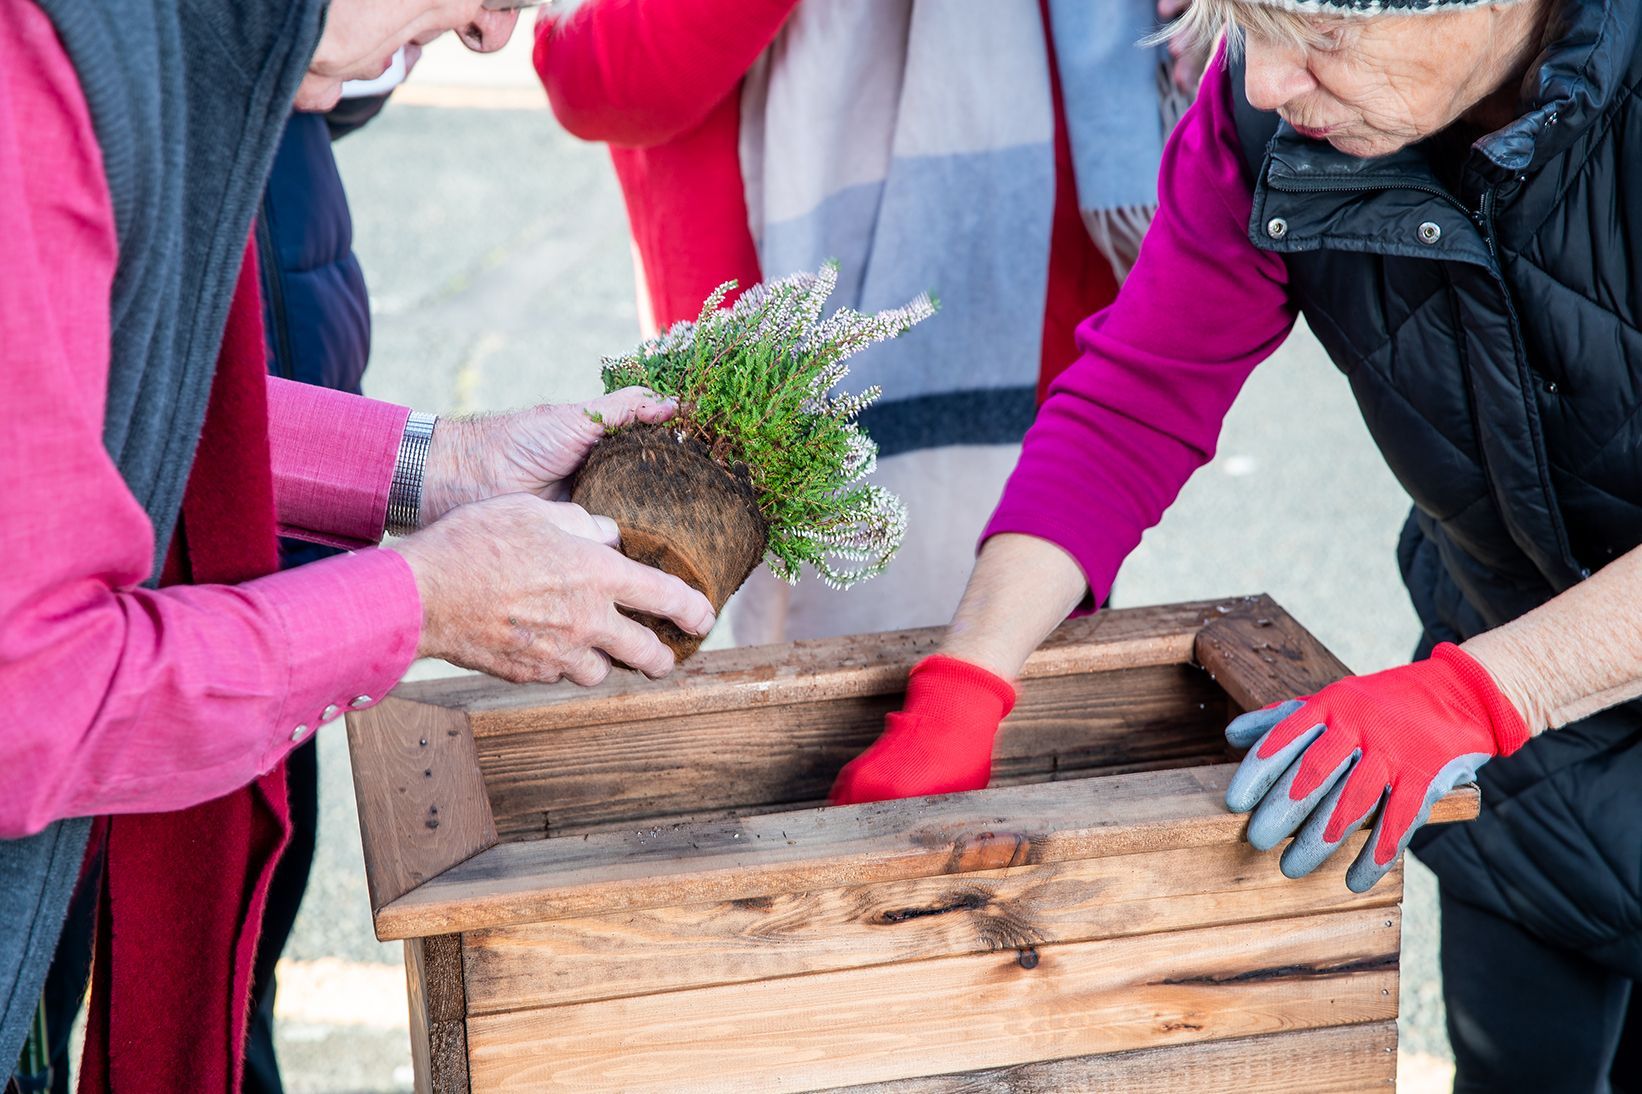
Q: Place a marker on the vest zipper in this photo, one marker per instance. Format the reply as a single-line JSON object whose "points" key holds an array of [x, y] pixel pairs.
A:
{"points": [[1484, 220], [272, 279], [1528, 379]]}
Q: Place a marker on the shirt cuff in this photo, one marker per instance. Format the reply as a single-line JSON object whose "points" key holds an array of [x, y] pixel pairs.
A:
{"points": [[333, 455], [351, 625]]}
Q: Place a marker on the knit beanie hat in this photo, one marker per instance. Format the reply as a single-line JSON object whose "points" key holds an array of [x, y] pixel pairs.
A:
{"points": [[1372, 7]]}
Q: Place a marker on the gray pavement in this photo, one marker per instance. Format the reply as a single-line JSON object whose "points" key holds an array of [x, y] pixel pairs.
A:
{"points": [[497, 253]]}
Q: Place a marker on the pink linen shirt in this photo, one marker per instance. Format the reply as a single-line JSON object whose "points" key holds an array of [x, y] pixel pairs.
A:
{"points": [[122, 698], [1140, 410]]}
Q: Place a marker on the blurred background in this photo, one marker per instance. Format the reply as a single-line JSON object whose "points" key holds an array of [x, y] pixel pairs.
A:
{"points": [[497, 255]]}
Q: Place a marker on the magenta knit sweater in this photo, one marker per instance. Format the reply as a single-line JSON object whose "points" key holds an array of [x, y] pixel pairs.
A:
{"points": [[1127, 424]]}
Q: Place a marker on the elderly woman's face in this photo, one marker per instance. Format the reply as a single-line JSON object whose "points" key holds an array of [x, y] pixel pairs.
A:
{"points": [[1374, 85], [361, 37]]}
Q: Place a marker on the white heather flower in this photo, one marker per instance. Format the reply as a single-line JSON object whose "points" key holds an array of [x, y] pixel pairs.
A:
{"points": [[709, 307], [772, 349]]}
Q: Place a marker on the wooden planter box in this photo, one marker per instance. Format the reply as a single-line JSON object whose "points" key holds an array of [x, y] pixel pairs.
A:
{"points": [[630, 887]]}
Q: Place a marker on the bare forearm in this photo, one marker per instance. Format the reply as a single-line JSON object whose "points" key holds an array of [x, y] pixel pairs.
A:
{"points": [[1578, 653], [1021, 588]]}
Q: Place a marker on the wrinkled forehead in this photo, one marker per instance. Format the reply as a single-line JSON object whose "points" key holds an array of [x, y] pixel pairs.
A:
{"points": [[1320, 22]]}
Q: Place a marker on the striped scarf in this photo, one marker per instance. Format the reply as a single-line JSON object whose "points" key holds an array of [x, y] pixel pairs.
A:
{"points": [[914, 142]]}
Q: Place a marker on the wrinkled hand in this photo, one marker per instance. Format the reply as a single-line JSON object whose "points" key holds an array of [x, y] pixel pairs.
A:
{"points": [[531, 451], [527, 590], [1395, 741], [1189, 62], [939, 743]]}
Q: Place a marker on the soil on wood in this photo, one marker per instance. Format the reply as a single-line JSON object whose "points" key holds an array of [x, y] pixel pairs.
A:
{"points": [[679, 511]]}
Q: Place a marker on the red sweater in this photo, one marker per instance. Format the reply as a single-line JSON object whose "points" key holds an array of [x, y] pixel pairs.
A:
{"points": [[660, 82]]}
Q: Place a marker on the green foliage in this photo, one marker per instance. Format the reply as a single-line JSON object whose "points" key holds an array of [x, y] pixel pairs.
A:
{"points": [[755, 385]]}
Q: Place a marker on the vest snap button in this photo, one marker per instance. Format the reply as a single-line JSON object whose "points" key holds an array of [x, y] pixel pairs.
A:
{"points": [[1277, 227], [1430, 232], [1550, 387]]}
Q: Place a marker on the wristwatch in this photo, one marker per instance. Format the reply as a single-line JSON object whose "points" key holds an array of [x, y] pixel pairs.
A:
{"points": [[405, 492]]}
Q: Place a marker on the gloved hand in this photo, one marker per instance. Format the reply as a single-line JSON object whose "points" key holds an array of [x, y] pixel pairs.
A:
{"points": [[1398, 739], [939, 743]]}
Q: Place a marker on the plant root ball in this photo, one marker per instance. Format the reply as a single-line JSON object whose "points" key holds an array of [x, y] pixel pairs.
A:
{"points": [[678, 511]]}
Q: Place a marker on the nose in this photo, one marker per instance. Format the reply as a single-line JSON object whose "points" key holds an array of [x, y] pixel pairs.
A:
{"points": [[489, 30], [1274, 73]]}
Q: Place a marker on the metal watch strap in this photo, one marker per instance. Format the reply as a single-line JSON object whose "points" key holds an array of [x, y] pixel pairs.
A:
{"points": [[405, 493]]}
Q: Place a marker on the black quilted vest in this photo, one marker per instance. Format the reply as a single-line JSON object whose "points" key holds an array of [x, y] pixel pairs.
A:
{"points": [[1488, 316]]}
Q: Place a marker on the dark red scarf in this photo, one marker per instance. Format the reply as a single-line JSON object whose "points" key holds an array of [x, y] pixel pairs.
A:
{"points": [[183, 893]]}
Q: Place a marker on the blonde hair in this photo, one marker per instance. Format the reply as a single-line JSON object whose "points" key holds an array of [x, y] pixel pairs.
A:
{"points": [[1205, 21]]}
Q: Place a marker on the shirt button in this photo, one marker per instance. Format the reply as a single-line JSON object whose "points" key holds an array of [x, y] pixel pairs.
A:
{"points": [[360, 701], [331, 711], [299, 732]]}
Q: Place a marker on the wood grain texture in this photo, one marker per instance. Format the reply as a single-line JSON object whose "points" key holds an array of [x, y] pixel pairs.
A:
{"points": [[748, 857], [957, 1013], [1354, 1059], [1260, 655], [669, 949], [576, 779], [815, 671], [712, 861], [422, 802], [438, 1031]]}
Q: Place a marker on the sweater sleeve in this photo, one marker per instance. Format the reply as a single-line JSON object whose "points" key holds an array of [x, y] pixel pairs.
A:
{"points": [[1140, 410], [131, 699], [638, 73]]}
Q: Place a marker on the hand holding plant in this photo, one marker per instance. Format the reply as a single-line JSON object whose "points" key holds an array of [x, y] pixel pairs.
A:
{"points": [[534, 451], [755, 386]]}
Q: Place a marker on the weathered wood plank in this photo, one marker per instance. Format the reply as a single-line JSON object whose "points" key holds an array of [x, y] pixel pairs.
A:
{"points": [[957, 1013], [1342, 1060], [820, 670], [575, 779], [1260, 655], [422, 804], [438, 1006], [669, 949], [421, 1035], [741, 858]]}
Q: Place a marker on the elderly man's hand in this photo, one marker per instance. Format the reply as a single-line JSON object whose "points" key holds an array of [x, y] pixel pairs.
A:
{"points": [[527, 590], [531, 451]]}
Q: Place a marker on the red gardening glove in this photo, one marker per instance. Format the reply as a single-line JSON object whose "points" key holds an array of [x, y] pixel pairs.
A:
{"points": [[940, 743], [1397, 741]]}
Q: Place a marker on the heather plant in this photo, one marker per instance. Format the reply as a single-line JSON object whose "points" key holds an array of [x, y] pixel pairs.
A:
{"points": [[755, 384]]}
